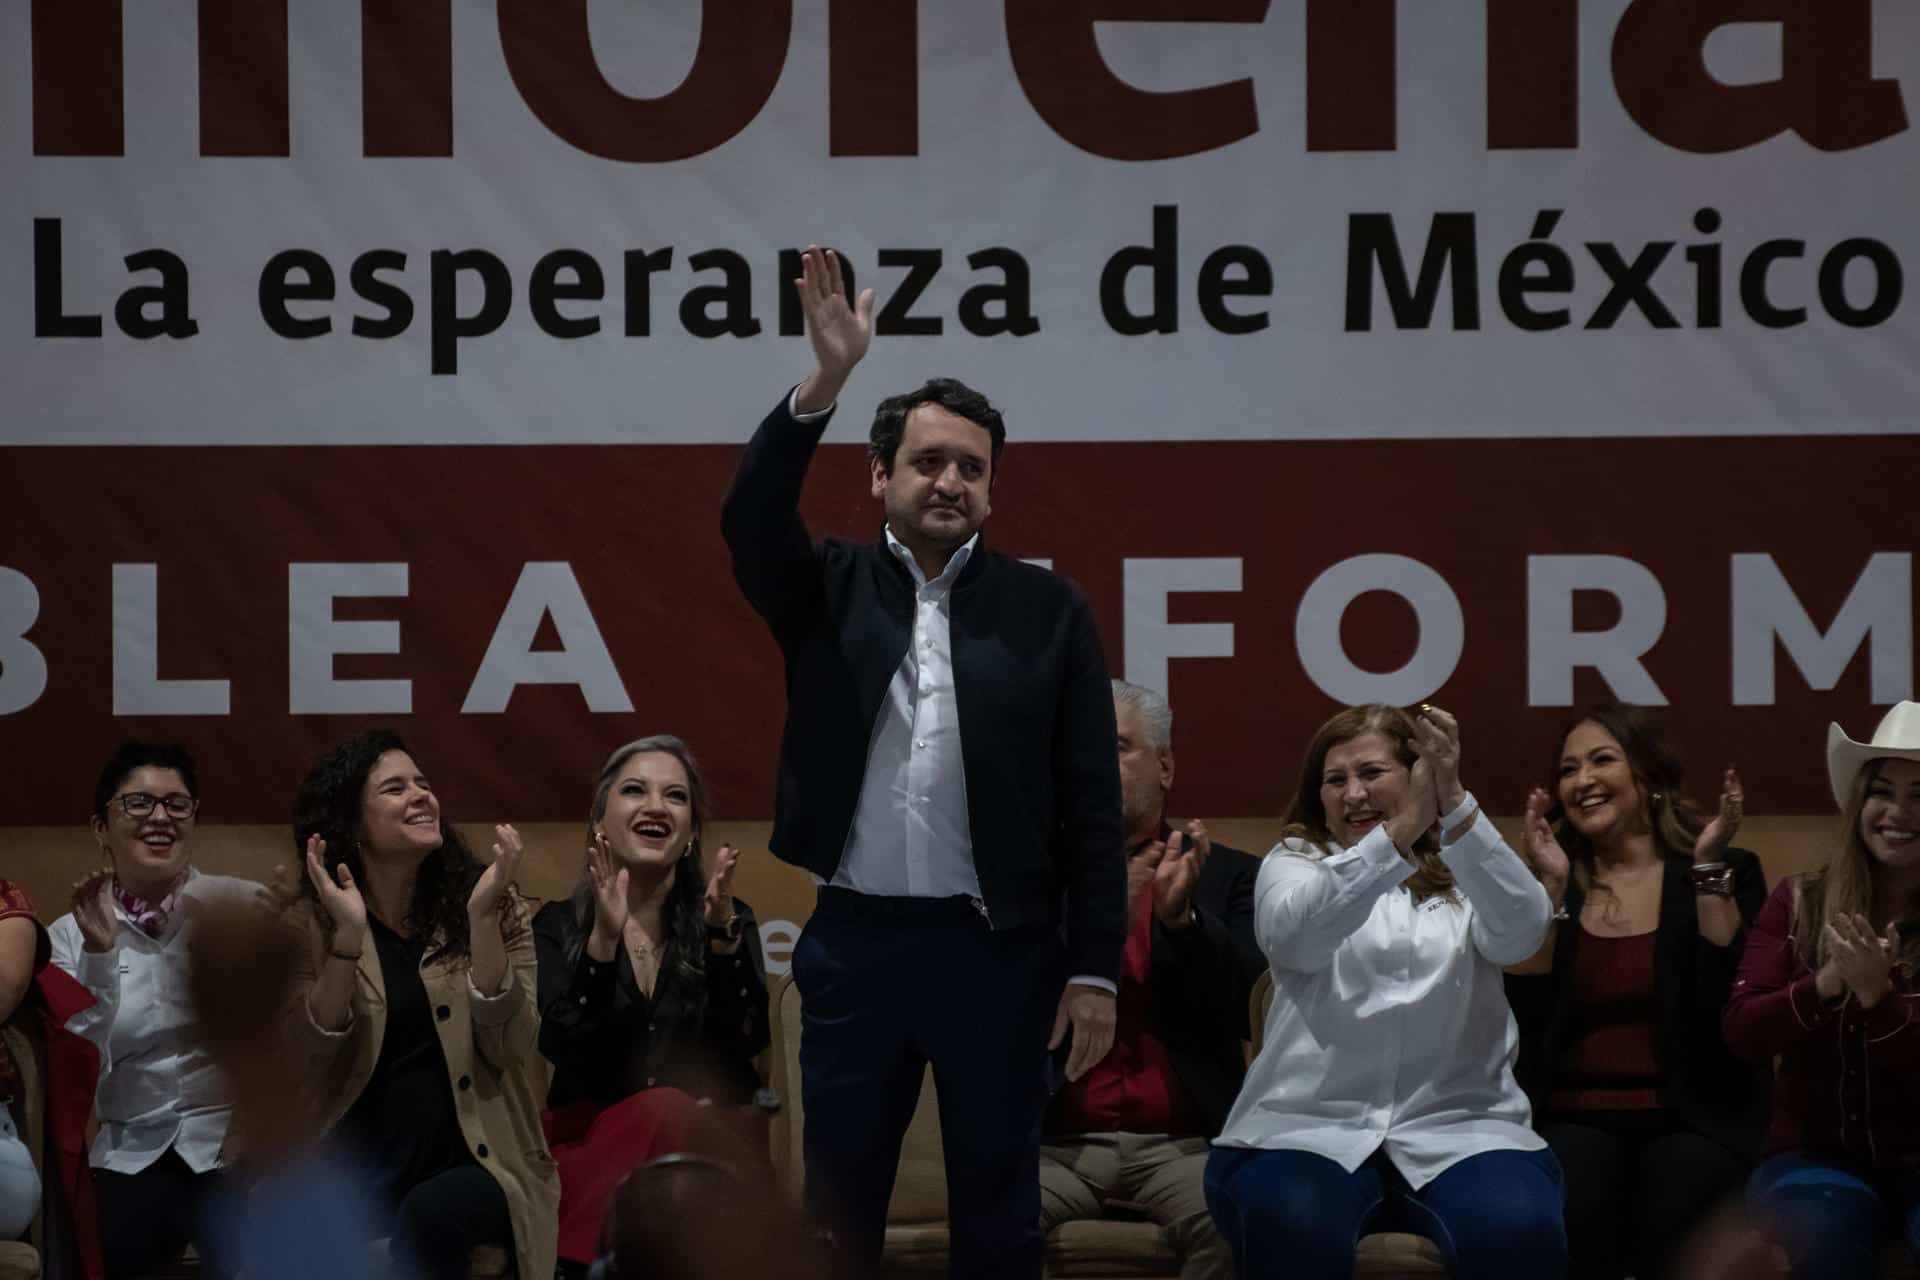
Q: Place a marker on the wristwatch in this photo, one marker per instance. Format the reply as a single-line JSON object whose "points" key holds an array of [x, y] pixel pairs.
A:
{"points": [[728, 932]]}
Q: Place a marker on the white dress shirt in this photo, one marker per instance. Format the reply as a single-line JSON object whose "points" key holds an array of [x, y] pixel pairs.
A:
{"points": [[1390, 1023], [910, 835], [159, 1087]]}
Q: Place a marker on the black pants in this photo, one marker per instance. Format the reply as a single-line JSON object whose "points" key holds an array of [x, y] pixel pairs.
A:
{"points": [[1638, 1182], [889, 985], [147, 1219], [442, 1220]]}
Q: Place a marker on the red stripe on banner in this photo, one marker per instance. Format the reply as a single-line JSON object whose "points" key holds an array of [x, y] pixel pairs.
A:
{"points": [[637, 531]]}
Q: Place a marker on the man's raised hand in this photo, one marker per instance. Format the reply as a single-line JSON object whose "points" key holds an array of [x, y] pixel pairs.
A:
{"points": [[840, 333]]}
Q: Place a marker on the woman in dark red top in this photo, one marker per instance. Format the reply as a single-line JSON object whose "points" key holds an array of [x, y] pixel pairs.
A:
{"points": [[1827, 989], [1654, 1120], [36, 999]]}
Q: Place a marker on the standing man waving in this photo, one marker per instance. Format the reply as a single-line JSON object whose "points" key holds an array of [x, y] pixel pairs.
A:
{"points": [[948, 775]]}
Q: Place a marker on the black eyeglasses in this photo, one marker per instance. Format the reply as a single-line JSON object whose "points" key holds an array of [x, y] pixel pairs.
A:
{"points": [[138, 804]]}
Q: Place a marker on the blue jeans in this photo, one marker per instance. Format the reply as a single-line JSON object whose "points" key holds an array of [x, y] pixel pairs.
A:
{"points": [[1494, 1216], [1831, 1220]]}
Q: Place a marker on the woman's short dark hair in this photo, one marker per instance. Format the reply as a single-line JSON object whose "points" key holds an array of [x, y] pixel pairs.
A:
{"points": [[951, 394], [131, 755]]}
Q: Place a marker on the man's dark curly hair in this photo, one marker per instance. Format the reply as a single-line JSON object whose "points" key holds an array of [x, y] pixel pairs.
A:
{"points": [[329, 806], [951, 394]]}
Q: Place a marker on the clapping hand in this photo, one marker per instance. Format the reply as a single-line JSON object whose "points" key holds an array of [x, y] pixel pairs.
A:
{"points": [[719, 895], [93, 910], [1719, 833], [492, 885], [1437, 738], [1416, 814], [338, 894], [610, 905], [1860, 959], [1550, 863], [1174, 874]]}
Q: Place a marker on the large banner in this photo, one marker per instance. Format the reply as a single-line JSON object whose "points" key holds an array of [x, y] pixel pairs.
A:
{"points": [[386, 363]]}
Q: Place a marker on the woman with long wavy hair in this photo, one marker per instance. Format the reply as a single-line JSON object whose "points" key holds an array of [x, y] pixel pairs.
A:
{"points": [[414, 999], [1829, 992], [1633, 1086], [653, 991], [1384, 1086]]}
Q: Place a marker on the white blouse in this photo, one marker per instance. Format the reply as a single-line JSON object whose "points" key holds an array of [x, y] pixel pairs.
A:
{"points": [[159, 1087], [1389, 1024]]}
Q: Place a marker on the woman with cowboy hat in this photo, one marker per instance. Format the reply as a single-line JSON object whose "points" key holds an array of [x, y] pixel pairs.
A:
{"points": [[1828, 987]]}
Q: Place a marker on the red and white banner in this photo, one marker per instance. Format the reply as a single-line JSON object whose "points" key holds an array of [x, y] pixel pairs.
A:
{"points": [[387, 363]]}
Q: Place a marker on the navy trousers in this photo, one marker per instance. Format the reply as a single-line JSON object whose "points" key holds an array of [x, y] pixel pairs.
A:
{"points": [[889, 985], [1495, 1216]]}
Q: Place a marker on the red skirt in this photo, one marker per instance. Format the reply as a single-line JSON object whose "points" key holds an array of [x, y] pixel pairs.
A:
{"points": [[595, 1147]]}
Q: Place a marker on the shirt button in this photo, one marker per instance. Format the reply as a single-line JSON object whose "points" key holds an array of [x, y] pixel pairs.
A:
{"points": [[583, 999], [920, 742], [466, 1082], [481, 1151], [443, 1013], [649, 1082]]}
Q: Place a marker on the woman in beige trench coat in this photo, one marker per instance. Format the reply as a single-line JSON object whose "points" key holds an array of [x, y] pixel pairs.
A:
{"points": [[415, 1006]]}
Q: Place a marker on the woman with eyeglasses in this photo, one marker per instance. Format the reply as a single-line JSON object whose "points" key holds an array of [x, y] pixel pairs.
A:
{"points": [[160, 1104]]}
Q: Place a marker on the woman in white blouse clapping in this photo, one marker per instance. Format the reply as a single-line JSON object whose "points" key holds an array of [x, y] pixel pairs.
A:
{"points": [[1383, 1096]]}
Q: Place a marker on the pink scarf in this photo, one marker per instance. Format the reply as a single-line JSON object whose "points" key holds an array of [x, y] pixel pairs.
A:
{"points": [[149, 918]]}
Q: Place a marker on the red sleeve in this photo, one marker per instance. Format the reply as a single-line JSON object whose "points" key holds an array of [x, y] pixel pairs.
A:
{"points": [[13, 902], [1893, 1025], [1775, 1003]]}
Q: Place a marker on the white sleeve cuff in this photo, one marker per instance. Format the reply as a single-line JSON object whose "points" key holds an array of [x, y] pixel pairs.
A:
{"points": [[98, 970], [1088, 980], [793, 400], [1448, 821]]}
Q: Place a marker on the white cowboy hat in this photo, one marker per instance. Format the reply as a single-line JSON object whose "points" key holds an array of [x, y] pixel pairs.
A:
{"points": [[1898, 737]]}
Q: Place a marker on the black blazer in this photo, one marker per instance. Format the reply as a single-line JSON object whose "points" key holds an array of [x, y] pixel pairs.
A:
{"points": [[607, 1039], [1199, 980], [1715, 1093], [1030, 681]]}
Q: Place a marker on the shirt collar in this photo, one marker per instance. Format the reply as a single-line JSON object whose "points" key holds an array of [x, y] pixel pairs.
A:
{"points": [[955, 563]]}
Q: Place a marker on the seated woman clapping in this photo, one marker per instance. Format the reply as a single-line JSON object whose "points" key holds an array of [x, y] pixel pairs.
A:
{"points": [[1828, 993], [653, 991], [414, 1000], [1383, 1095], [1653, 1119]]}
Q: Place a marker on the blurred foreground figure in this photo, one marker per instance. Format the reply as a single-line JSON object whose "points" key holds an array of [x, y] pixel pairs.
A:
{"points": [[686, 1217], [302, 1216]]}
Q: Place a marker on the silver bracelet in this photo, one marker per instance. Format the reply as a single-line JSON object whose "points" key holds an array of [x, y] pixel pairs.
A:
{"points": [[1712, 879]]}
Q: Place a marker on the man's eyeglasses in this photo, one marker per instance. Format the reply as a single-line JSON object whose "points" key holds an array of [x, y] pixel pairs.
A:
{"points": [[138, 804]]}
